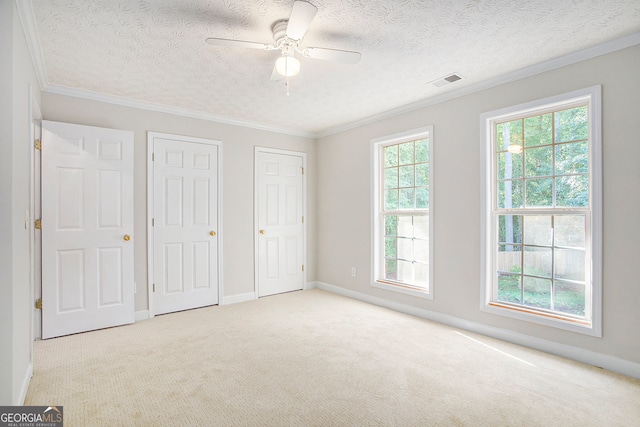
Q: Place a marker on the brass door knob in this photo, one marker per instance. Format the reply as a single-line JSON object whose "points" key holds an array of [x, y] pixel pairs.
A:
{"points": [[261, 231], [212, 233], [126, 237]]}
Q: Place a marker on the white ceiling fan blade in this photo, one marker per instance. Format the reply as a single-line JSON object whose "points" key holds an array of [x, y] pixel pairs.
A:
{"points": [[335, 55], [301, 16], [239, 43]]}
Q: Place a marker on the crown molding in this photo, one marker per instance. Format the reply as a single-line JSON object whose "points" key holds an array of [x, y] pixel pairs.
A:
{"points": [[562, 61], [28, 21], [177, 111]]}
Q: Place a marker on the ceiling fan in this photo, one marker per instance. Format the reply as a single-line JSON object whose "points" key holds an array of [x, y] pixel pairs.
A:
{"points": [[288, 34]]}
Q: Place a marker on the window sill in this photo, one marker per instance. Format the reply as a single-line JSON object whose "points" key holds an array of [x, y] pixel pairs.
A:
{"points": [[547, 319], [399, 288]]}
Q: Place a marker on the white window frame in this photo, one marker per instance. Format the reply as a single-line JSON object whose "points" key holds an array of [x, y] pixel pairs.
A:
{"points": [[593, 303], [377, 223]]}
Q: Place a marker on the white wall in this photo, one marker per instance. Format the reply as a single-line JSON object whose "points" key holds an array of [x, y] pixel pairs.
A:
{"points": [[16, 306], [344, 220], [238, 146]]}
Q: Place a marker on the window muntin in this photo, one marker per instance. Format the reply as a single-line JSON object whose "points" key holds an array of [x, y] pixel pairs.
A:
{"points": [[544, 212], [402, 173]]}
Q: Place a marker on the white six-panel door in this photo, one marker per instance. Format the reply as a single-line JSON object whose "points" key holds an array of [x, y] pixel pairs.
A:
{"points": [[280, 253], [87, 228], [185, 223]]}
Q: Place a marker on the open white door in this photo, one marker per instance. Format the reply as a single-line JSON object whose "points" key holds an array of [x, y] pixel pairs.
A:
{"points": [[87, 228], [279, 211], [185, 222]]}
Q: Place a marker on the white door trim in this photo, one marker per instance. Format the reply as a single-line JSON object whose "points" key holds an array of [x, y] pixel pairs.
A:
{"points": [[150, 210], [256, 226]]}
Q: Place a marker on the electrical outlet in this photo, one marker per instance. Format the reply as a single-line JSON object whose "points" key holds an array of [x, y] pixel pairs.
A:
{"points": [[353, 272]]}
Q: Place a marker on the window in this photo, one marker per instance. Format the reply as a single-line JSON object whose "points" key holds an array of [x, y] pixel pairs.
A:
{"points": [[401, 206], [541, 212]]}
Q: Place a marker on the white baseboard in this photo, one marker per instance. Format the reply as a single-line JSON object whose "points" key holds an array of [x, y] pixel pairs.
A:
{"points": [[310, 285], [25, 385], [142, 315], [234, 299], [605, 361]]}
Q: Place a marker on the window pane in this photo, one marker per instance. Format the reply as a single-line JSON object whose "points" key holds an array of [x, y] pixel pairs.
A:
{"points": [[509, 165], [390, 200], [422, 150], [406, 153], [538, 161], [407, 198], [391, 178], [510, 229], [421, 250], [569, 230], [509, 133], [391, 225], [421, 227], [405, 249], [421, 275], [537, 261], [571, 124], [572, 191], [405, 272], [537, 292], [405, 226], [391, 156], [569, 264], [391, 269], [422, 174], [537, 230], [569, 298], [422, 198], [509, 289], [572, 158], [537, 130], [509, 258], [390, 247], [539, 192], [407, 174], [510, 194]]}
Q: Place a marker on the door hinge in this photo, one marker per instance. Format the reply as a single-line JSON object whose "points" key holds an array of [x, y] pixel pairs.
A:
{"points": [[39, 303], [154, 287], [303, 219], [38, 144], [303, 267], [153, 157], [38, 224], [153, 222], [302, 171]]}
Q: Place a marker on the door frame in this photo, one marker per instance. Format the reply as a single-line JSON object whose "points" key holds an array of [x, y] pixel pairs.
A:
{"points": [[35, 238], [150, 209], [256, 226]]}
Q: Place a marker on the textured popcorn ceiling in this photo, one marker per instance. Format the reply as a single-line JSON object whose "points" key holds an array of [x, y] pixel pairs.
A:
{"points": [[155, 51]]}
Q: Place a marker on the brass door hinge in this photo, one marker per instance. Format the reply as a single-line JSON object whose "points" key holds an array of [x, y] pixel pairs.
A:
{"points": [[153, 222], [153, 157], [302, 171], [303, 219], [154, 287], [303, 268], [38, 144], [39, 303], [38, 224]]}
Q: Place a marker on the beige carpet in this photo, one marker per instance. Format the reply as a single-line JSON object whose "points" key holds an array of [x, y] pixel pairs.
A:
{"points": [[311, 358]]}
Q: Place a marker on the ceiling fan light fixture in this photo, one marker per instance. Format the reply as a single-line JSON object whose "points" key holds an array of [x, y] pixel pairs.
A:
{"points": [[288, 65]]}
